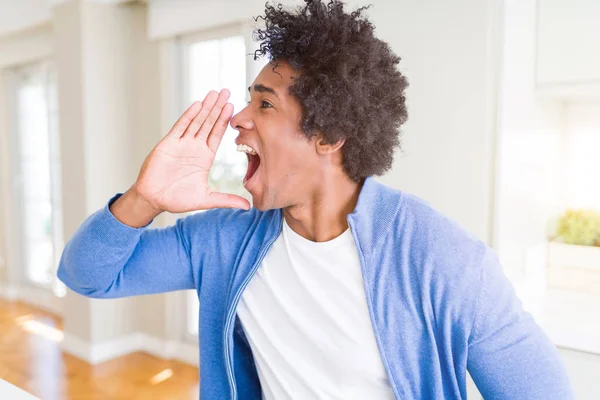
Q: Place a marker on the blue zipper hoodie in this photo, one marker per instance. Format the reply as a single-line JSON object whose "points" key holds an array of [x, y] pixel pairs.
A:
{"points": [[439, 302]]}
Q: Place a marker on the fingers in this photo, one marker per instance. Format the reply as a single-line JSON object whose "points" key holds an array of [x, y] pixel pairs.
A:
{"points": [[214, 139], [207, 105], [184, 121], [225, 200], [213, 116]]}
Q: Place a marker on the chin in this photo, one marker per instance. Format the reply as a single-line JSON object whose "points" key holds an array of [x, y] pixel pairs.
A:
{"points": [[260, 204], [256, 203], [260, 208]]}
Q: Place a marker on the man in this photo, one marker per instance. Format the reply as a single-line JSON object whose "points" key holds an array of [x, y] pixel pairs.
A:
{"points": [[333, 286]]}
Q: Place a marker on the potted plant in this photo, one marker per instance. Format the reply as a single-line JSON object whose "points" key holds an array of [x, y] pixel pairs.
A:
{"points": [[574, 252]]}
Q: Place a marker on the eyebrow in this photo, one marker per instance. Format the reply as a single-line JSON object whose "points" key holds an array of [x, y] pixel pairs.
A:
{"points": [[259, 87]]}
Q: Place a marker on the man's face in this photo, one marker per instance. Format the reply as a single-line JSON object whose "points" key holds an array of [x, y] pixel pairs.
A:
{"points": [[286, 164]]}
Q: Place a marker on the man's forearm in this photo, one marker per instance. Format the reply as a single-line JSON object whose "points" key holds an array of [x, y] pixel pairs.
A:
{"points": [[133, 210]]}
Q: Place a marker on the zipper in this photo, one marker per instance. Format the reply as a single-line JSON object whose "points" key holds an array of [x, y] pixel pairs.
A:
{"points": [[231, 313], [371, 314]]}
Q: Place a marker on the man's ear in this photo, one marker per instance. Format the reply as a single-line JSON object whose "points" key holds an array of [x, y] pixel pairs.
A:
{"points": [[328, 148]]}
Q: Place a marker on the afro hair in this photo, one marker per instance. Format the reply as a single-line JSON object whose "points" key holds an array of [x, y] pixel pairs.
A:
{"points": [[349, 86]]}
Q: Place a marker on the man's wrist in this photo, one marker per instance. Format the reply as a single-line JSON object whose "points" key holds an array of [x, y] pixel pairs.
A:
{"points": [[133, 210]]}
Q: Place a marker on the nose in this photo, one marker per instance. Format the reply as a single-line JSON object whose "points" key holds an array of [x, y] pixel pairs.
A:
{"points": [[242, 120]]}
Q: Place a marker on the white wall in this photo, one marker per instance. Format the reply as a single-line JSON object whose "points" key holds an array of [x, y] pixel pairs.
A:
{"points": [[19, 15], [449, 54], [68, 47], [582, 163], [547, 147], [584, 373], [174, 17], [5, 184], [31, 45], [532, 177], [529, 158], [94, 47], [108, 119], [569, 39], [151, 312], [111, 107]]}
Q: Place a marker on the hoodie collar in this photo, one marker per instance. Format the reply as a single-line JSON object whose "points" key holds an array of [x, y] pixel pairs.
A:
{"points": [[374, 213]]}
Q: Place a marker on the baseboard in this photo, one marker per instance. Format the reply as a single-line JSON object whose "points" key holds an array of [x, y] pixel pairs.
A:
{"points": [[115, 348], [40, 298], [588, 342], [9, 293], [76, 347], [184, 352], [563, 314], [170, 349], [101, 352], [155, 346]]}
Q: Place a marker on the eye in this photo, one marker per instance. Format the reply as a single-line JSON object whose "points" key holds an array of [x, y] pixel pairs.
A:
{"points": [[265, 104]]}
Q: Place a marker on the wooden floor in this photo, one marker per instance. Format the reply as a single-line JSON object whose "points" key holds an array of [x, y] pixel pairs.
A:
{"points": [[31, 358]]}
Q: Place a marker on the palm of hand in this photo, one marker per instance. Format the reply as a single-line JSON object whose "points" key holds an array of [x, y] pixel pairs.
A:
{"points": [[177, 175], [174, 177]]}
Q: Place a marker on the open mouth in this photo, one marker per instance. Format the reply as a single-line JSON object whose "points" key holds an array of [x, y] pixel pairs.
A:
{"points": [[253, 163], [253, 160]]}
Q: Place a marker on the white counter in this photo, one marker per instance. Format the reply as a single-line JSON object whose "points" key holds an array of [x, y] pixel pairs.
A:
{"points": [[9, 391]]}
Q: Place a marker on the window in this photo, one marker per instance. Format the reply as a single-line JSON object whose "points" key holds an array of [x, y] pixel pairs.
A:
{"points": [[214, 63], [37, 172]]}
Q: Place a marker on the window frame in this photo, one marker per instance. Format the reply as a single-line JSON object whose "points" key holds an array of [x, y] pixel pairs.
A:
{"points": [[183, 43], [35, 291]]}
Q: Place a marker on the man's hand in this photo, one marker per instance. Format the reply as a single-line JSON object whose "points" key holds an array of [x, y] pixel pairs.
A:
{"points": [[174, 176]]}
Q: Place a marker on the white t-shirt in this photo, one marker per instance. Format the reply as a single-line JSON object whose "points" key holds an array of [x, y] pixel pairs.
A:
{"points": [[306, 318]]}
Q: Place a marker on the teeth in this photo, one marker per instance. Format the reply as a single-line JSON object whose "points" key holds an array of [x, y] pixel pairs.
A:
{"points": [[246, 149]]}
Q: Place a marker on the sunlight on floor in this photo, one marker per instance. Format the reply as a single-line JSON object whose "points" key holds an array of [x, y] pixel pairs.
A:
{"points": [[27, 323], [161, 376]]}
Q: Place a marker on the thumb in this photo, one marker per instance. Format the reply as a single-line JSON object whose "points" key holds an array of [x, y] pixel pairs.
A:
{"points": [[225, 200]]}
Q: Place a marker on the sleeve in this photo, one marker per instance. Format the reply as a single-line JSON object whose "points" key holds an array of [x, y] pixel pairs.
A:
{"points": [[107, 259], [509, 356]]}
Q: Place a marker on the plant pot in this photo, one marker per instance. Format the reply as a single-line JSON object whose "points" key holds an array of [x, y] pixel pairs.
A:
{"points": [[574, 267]]}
